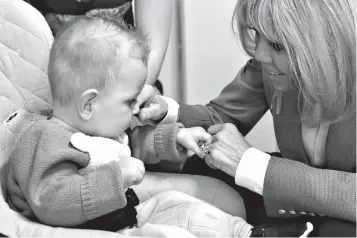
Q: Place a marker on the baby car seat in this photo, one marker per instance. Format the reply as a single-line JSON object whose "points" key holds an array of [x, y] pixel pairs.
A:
{"points": [[25, 42]]}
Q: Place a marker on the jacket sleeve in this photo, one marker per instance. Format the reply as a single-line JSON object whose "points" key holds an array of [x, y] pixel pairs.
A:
{"points": [[73, 6], [242, 103], [293, 188], [60, 196], [155, 144]]}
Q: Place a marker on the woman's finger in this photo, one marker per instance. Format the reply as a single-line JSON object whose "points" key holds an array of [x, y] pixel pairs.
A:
{"points": [[215, 129], [209, 163], [215, 157]]}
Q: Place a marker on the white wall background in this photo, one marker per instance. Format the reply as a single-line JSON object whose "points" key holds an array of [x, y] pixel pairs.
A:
{"points": [[211, 57]]}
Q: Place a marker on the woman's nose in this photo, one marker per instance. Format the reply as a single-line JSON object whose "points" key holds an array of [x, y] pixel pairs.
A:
{"points": [[263, 52]]}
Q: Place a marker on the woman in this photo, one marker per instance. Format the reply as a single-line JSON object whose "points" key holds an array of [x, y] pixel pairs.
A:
{"points": [[303, 69], [152, 17]]}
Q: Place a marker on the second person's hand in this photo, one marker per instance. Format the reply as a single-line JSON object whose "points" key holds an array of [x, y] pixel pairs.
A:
{"points": [[150, 107], [227, 148]]}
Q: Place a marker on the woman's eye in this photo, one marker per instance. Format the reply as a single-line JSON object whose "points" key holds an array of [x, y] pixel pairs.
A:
{"points": [[253, 32], [276, 46]]}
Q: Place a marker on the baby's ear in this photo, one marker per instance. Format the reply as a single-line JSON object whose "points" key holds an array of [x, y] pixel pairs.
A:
{"points": [[81, 142]]}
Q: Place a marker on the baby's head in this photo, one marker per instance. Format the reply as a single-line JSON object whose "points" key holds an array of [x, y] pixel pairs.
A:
{"points": [[96, 70]]}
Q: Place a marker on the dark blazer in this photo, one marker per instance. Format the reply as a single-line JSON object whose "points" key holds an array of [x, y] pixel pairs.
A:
{"points": [[293, 186], [73, 7]]}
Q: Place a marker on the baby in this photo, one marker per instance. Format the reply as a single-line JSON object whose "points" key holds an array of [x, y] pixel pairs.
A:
{"points": [[74, 168]]}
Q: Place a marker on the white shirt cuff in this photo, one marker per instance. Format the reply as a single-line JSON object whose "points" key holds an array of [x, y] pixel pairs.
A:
{"points": [[172, 111], [251, 170]]}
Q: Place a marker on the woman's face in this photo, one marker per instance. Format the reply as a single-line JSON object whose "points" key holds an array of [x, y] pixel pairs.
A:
{"points": [[274, 61]]}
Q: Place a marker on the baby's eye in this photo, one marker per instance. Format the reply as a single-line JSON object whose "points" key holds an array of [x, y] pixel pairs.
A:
{"points": [[131, 101], [276, 46]]}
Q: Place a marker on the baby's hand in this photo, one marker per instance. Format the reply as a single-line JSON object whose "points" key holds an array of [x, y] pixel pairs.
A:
{"points": [[192, 138], [132, 171]]}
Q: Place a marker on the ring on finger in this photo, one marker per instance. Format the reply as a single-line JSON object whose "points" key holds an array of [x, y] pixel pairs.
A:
{"points": [[204, 151]]}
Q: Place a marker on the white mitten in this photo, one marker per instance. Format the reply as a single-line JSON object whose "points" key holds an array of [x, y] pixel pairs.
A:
{"points": [[101, 150]]}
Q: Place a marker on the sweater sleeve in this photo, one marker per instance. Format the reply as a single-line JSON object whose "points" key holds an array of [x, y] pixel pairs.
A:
{"points": [[59, 196], [46, 170], [158, 144]]}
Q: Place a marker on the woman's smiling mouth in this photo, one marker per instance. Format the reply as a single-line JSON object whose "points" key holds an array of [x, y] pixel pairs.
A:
{"points": [[274, 73]]}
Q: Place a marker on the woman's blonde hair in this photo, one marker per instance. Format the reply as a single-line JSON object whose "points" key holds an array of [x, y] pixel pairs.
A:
{"points": [[319, 39]]}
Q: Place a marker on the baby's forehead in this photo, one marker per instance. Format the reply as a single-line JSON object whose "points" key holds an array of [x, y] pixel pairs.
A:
{"points": [[127, 71], [121, 66]]}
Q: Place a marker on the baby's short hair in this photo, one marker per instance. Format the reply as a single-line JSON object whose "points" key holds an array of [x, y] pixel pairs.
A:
{"points": [[89, 53]]}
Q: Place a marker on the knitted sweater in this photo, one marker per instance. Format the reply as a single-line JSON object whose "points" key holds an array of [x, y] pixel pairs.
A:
{"points": [[43, 173]]}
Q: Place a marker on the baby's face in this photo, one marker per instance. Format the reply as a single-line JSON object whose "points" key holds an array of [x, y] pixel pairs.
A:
{"points": [[115, 106]]}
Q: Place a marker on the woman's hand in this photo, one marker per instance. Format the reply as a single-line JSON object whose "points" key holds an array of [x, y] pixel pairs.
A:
{"points": [[150, 107], [192, 138], [227, 148]]}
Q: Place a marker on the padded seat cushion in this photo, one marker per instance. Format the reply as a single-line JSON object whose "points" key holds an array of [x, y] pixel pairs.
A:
{"points": [[25, 43]]}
